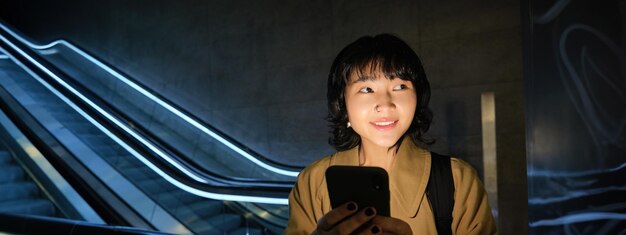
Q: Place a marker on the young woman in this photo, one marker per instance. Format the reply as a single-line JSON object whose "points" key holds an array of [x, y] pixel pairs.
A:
{"points": [[378, 98]]}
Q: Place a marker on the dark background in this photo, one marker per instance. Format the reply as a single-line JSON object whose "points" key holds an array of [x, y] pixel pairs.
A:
{"points": [[257, 69], [576, 117]]}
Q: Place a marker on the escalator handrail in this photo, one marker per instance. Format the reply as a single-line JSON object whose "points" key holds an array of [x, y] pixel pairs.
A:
{"points": [[271, 194], [237, 146], [175, 158]]}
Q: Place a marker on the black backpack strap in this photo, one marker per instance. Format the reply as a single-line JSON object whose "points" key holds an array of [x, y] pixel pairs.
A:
{"points": [[440, 192]]}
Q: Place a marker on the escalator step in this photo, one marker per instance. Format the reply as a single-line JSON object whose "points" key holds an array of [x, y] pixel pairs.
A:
{"points": [[199, 212], [218, 224], [18, 190], [30, 207], [207, 208], [11, 173]]}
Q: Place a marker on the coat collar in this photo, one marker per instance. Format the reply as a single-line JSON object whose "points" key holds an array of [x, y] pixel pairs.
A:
{"points": [[408, 177]]}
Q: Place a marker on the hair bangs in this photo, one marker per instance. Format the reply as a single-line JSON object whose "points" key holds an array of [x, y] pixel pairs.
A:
{"points": [[391, 62]]}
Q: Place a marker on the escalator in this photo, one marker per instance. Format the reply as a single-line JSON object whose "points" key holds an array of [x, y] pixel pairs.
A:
{"points": [[147, 183], [144, 111], [36, 199], [20, 193]]}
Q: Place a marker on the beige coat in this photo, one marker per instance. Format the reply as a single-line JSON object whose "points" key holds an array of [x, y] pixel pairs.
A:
{"points": [[309, 200]]}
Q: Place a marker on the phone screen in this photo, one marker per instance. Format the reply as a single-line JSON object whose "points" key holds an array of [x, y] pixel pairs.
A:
{"points": [[367, 186]]}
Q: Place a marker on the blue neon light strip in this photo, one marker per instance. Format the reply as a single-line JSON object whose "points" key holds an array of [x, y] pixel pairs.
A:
{"points": [[157, 100], [215, 196], [578, 218]]}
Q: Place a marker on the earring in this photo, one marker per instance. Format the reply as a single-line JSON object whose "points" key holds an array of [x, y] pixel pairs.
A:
{"points": [[349, 125]]}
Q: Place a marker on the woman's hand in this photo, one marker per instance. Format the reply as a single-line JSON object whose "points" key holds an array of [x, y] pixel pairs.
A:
{"points": [[346, 220], [390, 225]]}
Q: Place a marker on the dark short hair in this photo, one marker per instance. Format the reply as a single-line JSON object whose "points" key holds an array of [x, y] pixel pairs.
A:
{"points": [[395, 59]]}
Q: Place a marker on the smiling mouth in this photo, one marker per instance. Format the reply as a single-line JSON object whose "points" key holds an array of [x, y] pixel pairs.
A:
{"points": [[384, 123], [383, 126]]}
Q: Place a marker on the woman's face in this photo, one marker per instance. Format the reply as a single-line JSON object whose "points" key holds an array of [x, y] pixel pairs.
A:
{"points": [[380, 110]]}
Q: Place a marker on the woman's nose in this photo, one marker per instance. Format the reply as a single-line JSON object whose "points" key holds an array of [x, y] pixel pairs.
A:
{"points": [[385, 103]]}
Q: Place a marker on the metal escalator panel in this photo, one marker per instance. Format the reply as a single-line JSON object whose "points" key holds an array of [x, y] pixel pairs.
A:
{"points": [[164, 205]]}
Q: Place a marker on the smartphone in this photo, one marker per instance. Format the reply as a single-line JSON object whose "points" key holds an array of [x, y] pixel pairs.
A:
{"points": [[367, 186]]}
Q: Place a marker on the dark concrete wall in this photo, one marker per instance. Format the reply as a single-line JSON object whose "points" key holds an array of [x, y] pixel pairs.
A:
{"points": [[257, 69]]}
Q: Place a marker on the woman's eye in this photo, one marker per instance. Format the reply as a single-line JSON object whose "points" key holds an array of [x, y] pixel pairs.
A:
{"points": [[400, 87], [366, 90]]}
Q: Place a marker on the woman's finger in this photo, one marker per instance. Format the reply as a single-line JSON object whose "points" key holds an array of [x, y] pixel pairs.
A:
{"points": [[390, 225], [370, 229], [328, 221], [356, 221]]}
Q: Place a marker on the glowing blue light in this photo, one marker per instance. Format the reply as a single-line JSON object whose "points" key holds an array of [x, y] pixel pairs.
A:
{"points": [[578, 218], [575, 194], [549, 173], [155, 99], [215, 196]]}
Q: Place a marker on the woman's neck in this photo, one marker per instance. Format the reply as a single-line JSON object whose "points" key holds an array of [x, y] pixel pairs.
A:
{"points": [[373, 155]]}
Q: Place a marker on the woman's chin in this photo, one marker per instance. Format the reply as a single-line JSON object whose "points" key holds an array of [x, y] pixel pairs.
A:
{"points": [[384, 143]]}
